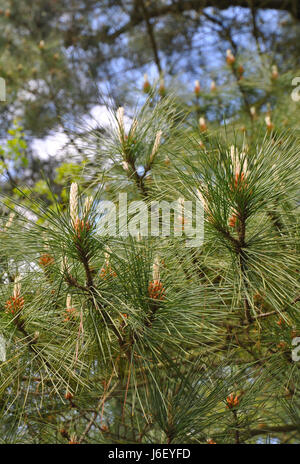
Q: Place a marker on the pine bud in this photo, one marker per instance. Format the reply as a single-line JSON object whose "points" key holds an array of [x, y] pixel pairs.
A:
{"points": [[213, 86], [240, 71], [162, 89], [230, 57], [156, 289], [73, 440], [156, 268], [253, 111], [281, 345], [270, 125], [106, 270], [236, 166], [81, 227], [69, 301], [68, 395], [202, 124], [10, 221], [280, 322], [70, 310], [17, 286], [133, 127], [155, 145], [87, 205], [125, 166], [16, 302], [197, 88], [232, 400], [274, 74], [74, 203], [180, 218], [167, 160], [232, 220], [146, 85], [107, 256], [46, 260]]}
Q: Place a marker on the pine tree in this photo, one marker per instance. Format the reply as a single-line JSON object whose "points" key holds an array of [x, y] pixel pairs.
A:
{"points": [[116, 338], [140, 339]]}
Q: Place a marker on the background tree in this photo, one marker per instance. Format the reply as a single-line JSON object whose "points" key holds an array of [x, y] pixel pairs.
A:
{"points": [[62, 59]]}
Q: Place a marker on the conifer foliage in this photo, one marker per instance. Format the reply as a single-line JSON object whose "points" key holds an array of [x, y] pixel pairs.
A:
{"points": [[141, 339]]}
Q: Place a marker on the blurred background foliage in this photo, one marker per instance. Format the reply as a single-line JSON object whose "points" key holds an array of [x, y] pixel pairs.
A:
{"points": [[62, 61]]}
